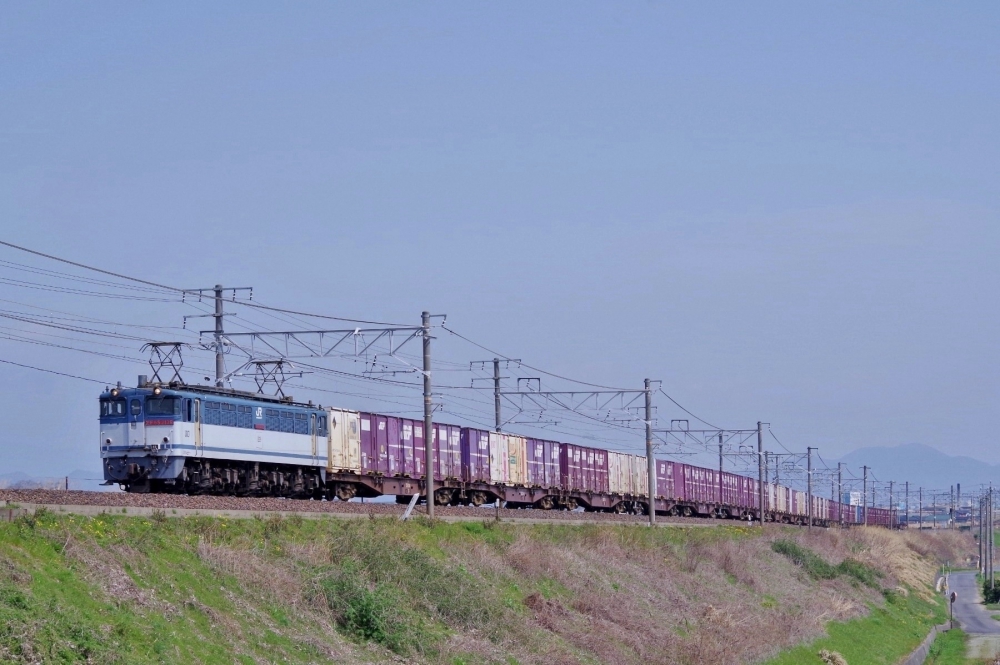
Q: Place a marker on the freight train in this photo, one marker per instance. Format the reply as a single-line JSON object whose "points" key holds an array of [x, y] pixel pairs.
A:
{"points": [[175, 438]]}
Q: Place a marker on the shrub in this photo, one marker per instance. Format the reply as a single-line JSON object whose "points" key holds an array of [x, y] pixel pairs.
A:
{"points": [[815, 566], [991, 595], [819, 569]]}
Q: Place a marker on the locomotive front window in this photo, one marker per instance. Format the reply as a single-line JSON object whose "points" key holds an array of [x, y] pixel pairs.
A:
{"points": [[163, 406], [136, 407], [112, 408]]}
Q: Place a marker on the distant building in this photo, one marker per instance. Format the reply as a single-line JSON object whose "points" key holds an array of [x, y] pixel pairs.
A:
{"points": [[852, 498]]}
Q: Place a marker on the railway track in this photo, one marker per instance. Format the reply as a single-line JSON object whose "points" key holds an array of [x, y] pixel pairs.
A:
{"points": [[84, 502]]}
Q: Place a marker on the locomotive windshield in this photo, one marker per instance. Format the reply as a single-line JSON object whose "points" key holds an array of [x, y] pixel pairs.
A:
{"points": [[112, 408], [163, 406]]}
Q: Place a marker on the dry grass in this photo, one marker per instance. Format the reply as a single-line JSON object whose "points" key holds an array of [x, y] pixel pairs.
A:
{"points": [[610, 595]]}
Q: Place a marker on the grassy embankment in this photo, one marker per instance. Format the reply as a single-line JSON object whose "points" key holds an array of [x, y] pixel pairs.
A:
{"points": [[116, 589]]}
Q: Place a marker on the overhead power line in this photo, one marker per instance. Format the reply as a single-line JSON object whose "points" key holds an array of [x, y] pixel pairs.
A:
{"points": [[52, 371], [86, 267], [176, 289]]}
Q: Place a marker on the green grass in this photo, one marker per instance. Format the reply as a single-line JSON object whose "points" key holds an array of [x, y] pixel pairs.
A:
{"points": [[819, 569], [883, 637], [948, 649], [53, 610]]}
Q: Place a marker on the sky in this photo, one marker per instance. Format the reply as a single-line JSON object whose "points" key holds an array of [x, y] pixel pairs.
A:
{"points": [[785, 212]]}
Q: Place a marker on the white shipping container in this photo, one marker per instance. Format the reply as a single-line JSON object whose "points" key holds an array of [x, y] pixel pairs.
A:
{"points": [[617, 472], [640, 475], [499, 460], [517, 456], [799, 503], [344, 441]]}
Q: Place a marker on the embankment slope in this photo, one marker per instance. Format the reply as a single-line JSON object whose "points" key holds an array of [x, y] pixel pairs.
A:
{"points": [[117, 589]]}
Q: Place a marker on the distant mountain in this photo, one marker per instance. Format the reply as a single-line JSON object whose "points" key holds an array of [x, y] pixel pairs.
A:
{"points": [[922, 466]]}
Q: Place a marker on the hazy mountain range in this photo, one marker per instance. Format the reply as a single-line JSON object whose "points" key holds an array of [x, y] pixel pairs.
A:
{"points": [[922, 466]]}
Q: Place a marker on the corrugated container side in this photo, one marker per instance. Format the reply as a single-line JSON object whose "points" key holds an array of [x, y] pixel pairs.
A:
{"points": [[570, 468], [517, 455], [617, 481], [543, 462], [475, 455], [394, 444], [448, 451], [413, 461], [369, 451], [499, 460], [665, 479], [640, 475], [601, 471], [344, 441]]}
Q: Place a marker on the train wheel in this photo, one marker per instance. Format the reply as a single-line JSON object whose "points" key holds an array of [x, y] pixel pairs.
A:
{"points": [[619, 508], [443, 496], [673, 512], [571, 504], [346, 491], [687, 512], [546, 503], [723, 514]]}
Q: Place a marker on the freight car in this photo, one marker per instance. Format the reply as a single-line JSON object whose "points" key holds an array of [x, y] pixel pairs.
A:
{"points": [[196, 439]]}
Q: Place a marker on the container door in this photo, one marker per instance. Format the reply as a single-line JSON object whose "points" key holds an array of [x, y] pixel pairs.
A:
{"points": [[419, 450], [198, 450], [394, 445], [354, 441]]}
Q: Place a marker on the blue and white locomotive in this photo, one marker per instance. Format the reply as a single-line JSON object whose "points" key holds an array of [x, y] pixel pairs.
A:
{"points": [[198, 439]]}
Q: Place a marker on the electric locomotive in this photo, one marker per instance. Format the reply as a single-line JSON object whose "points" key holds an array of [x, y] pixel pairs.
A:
{"points": [[200, 439]]}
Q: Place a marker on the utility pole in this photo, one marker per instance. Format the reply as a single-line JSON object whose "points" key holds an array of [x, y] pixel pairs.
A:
{"points": [[720, 468], [425, 324], [760, 471], [220, 367], [864, 496], [890, 502], [650, 462], [992, 536], [907, 505], [218, 332], [982, 537], [920, 520], [809, 484], [951, 509], [496, 392], [840, 490]]}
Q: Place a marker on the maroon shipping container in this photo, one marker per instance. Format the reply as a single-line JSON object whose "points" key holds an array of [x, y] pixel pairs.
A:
{"points": [[447, 451], [601, 475], [381, 452], [700, 483], [543, 463], [419, 450], [413, 458], [583, 469], [475, 455], [669, 482]]}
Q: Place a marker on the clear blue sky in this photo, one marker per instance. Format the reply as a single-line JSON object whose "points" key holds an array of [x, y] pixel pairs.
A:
{"points": [[787, 212]]}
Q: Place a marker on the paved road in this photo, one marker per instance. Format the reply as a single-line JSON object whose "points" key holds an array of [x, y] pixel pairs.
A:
{"points": [[969, 609]]}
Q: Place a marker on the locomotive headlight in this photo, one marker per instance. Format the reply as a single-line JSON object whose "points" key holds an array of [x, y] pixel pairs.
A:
{"points": [[114, 392], [157, 390]]}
